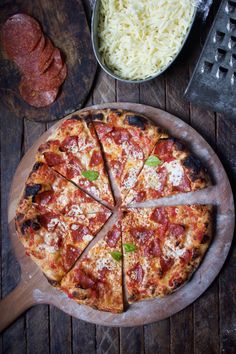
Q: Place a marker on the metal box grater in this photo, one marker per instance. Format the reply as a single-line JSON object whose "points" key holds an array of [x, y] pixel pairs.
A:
{"points": [[213, 83]]}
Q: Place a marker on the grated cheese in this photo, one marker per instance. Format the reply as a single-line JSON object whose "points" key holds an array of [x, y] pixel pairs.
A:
{"points": [[137, 39]]}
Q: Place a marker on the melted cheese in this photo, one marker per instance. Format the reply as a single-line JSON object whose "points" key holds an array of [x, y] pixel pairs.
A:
{"points": [[139, 38], [87, 238], [105, 263], [175, 171]]}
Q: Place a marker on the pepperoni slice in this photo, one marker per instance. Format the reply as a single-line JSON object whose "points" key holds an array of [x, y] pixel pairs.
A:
{"points": [[49, 221], [113, 237], [140, 196], [96, 158], [37, 98], [71, 255], [69, 144], [120, 135], [176, 230], [159, 215], [166, 264], [99, 218], [29, 64], [84, 280], [43, 198], [184, 185], [164, 149], [186, 257], [52, 158], [136, 273], [141, 234], [47, 55], [51, 79], [102, 129], [80, 231], [153, 248], [20, 34]]}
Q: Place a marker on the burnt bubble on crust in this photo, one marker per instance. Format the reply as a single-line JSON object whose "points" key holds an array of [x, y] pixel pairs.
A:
{"points": [[137, 121], [193, 164], [114, 110], [32, 190], [97, 116], [51, 281], [34, 224], [75, 117], [36, 166]]}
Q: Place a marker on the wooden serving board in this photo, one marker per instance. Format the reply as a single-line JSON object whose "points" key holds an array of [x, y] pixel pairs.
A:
{"points": [[34, 289], [66, 24]]}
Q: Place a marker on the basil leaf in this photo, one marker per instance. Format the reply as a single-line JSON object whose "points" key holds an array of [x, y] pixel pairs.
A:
{"points": [[153, 161], [129, 247], [117, 255], [90, 175]]}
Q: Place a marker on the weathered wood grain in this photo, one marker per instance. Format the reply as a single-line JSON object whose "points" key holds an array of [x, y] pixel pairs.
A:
{"points": [[60, 332], [126, 92], [153, 93], [107, 340], [66, 24], [157, 337], [226, 147], [13, 338], [83, 337], [132, 340]]}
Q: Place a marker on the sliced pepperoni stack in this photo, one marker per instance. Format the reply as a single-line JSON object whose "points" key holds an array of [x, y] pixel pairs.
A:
{"points": [[37, 58]]}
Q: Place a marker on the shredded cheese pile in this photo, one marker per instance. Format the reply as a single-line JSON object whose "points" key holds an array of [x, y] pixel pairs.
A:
{"points": [[138, 38]]}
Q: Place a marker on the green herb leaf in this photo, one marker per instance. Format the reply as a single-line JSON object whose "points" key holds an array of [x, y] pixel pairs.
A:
{"points": [[129, 247], [91, 175], [153, 161], [117, 255]]}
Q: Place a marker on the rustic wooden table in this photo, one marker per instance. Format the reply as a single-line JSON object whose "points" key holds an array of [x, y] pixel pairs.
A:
{"points": [[208, 325]]}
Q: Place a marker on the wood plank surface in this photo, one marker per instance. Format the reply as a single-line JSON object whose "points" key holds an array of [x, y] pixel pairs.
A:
{"points": [[207, 326]]}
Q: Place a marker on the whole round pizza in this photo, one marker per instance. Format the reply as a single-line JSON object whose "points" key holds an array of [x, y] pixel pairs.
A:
{"points": [[108, 170]]}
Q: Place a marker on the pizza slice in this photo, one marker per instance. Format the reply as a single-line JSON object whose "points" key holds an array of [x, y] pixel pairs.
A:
{"points": [[96, 279], [46, 188], [55, 241], [127, 139], [162, 247], [74, 151], [170, 169]]}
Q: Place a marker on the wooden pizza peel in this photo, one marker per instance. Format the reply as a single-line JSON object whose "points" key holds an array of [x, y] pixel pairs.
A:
{"points": [[34, 289]]}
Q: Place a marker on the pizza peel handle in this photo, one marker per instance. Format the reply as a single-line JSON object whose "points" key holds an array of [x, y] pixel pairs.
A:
{"points": [[14, 304]]}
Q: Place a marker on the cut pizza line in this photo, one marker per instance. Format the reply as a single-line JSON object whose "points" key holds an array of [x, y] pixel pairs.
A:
{"points": [[204, 196]]}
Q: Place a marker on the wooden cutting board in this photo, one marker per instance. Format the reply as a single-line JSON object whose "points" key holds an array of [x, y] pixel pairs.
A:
{"points": [[34, 288], [66, 24]]}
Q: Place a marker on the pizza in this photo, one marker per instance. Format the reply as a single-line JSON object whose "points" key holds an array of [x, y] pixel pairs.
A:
{"points": [[127, 140], [47, 188], [53, 240], [96, 279], [170, 169], [61, 217], [74, 151], [162, 247]]}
